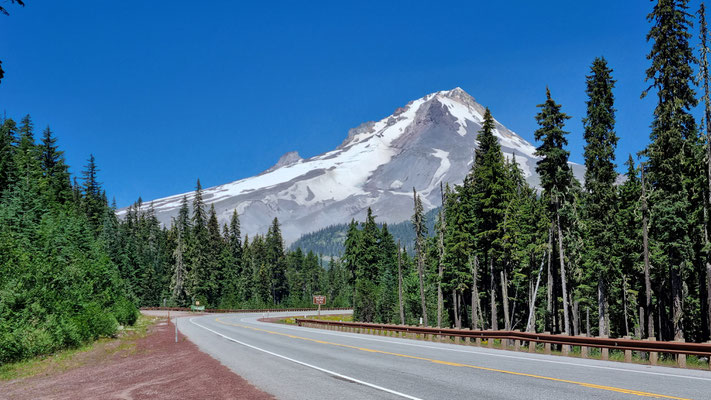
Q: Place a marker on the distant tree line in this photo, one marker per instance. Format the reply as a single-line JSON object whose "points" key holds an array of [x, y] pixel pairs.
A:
{"points": [[330, 241], [197, 260]]}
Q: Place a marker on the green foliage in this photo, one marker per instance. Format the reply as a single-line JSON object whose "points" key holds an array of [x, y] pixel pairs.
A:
{"points": [[59, 287]]}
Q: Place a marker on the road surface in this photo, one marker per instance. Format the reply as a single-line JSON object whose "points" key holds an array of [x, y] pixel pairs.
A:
{"points": [[292, 362]]}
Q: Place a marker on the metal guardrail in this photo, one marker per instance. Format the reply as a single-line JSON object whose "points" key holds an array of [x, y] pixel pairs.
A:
{"points": [[242, 310], [628, 345]]}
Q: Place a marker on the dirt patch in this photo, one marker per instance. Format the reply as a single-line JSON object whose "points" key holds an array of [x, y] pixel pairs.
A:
{"points": [[152, 367]]}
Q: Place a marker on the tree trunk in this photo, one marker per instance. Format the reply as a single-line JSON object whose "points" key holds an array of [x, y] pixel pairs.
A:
{"points": [[624, 303], [677, 314], [645, 252], [440, 300], [420, 273], [532, 310], [475, 293], [549, 295], [563, 278], [505, 300], [399, 282], [494, 316], [601, 306], [708, 292], [707, 114], [576, 317], [587, 321]]}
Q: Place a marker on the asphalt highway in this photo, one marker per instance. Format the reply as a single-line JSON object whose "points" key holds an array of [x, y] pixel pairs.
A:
{"points": [[292, 362]]}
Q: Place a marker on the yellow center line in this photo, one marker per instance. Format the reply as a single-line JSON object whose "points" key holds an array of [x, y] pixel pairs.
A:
{"points": [[455, 364]]}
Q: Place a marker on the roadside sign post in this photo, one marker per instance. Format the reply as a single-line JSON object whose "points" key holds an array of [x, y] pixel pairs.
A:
{"points": [[319, 300]]}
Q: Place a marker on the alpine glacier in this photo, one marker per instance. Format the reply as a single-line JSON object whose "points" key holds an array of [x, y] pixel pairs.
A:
{"points": [[428, 141]]}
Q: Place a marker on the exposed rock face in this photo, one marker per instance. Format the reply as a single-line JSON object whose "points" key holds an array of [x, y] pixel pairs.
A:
{"points": [[428, 141]]}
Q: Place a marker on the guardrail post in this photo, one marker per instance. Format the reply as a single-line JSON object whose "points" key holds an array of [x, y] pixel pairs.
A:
{"points": [[477, 341], [547, 346], [628, 353], [604, 351], [531, 346], [584, 350], [709, 357], [681, 358], [490, 340], [565, 349], [457, 339], [653, 355], [517, 345]]}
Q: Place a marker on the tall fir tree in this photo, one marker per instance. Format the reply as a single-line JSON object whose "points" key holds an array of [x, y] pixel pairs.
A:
{"points": [[54, 168], [599, 201], [671, 153], [490, 201], [198, 250], [556, 176], [8, 138], [276, 261], [705, 80], [418, 224]]}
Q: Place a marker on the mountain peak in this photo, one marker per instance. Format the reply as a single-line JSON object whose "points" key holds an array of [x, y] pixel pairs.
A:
{"points": [[421, 144], [288, 158]]}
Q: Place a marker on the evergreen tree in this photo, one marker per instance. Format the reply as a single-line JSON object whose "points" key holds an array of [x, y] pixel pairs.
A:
{"points": [[418, 224], [556, 176], [216, 268], [8, 138], [276, 262], [671, 153], [54, 168], [92, 199], [490, 200], [600, 197], [705, 79], [198, 250], [387, 277]]}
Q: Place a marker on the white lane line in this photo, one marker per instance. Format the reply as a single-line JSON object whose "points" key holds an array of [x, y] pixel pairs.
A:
{"points": [[396, 393], [254, 321]]}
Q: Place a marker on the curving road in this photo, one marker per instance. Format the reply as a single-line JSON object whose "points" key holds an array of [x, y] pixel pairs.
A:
{"points": [[292, 362]]}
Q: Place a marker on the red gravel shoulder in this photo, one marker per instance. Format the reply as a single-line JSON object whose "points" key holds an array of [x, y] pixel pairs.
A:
{"points": [[156, 368]]}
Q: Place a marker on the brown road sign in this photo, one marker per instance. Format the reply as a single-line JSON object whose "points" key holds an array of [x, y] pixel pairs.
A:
{"points": [[319, 300]]}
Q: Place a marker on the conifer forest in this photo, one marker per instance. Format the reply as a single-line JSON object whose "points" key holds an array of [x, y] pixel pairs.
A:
{"points": [[618, 254]]}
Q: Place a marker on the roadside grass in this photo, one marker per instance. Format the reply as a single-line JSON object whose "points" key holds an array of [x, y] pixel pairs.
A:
{"points": [[125, 341], [330, 317]]}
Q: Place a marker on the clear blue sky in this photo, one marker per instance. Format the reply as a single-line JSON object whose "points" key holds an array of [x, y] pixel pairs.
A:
{"points": [[164, 92]]}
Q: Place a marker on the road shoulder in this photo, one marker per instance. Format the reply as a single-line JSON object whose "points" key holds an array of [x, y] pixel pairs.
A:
{"points": [[151, 366]]}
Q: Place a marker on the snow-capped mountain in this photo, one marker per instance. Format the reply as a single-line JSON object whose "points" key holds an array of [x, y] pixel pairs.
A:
{"points": [[428, 141]]}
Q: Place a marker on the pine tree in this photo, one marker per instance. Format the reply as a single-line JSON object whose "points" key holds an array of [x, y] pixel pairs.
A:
{"points": [[198, 250], [92, 199], [215, 269], [8, 138], [628, 231], [276, 263], [673, 141], [556, 176], [490, 201], [600, 197], [180, 294], [704, 74], [54, 168], [366, 290], [418, 223], [387, 277], [352, 254]]}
